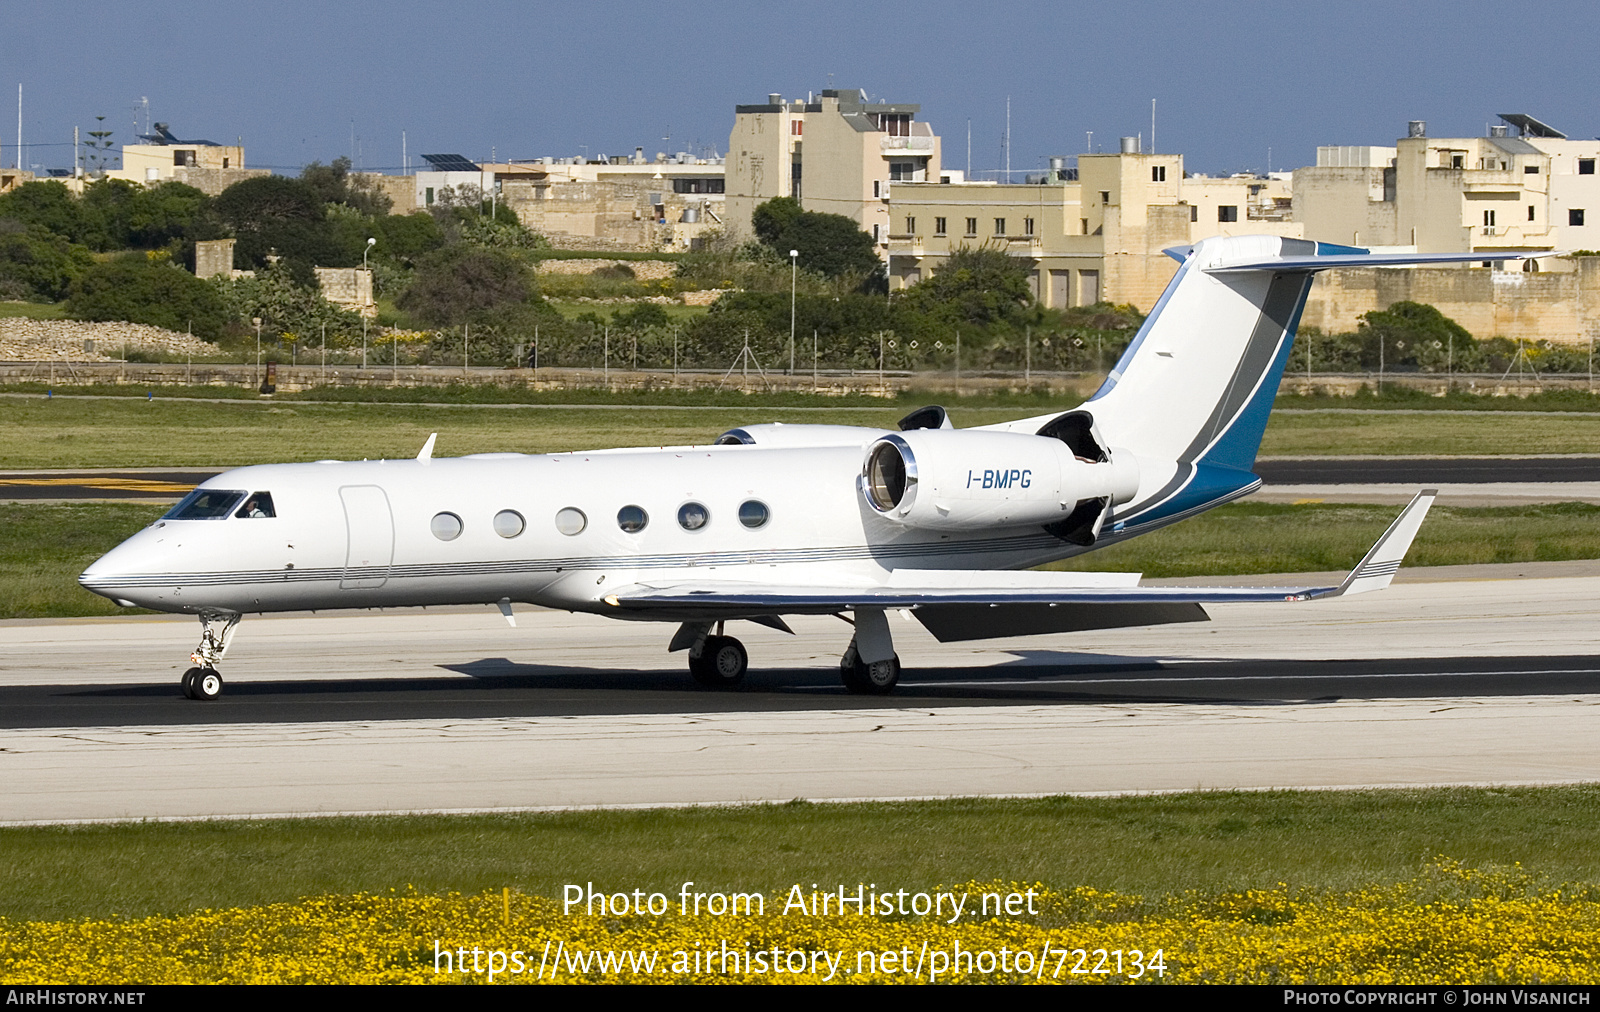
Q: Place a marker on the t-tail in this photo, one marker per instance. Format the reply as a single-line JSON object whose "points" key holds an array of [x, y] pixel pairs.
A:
{"points": [[1191, 395]]}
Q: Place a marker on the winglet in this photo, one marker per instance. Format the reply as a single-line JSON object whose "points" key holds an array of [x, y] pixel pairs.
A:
{"points": [[1377, 569], [426, 453]]}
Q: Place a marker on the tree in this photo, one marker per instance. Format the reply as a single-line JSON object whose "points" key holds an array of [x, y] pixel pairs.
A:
{"points": [[46, 204], [462, 283], [333, 184], [98, 154], [981, 286], [140, 289], [271, 214], [283, 305], [37, 264], [830, 244], [1411, 333]]}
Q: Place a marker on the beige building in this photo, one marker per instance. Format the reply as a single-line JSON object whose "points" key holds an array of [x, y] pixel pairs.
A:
{"points": [[835, 153], [205, 165], [1524, 187], [1094, 234], [622, 202]]}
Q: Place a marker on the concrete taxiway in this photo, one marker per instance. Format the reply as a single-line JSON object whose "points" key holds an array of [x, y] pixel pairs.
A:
{"points": [[1470, 681]]}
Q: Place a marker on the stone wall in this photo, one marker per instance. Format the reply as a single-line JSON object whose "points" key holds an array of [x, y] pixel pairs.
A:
{"points": [[213, 257], [644, 270], [24, 340], [348, 288], [1559, 305]]}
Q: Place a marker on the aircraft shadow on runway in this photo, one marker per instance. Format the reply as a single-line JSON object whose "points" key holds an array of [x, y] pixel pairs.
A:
{"points": [[501, 687]]}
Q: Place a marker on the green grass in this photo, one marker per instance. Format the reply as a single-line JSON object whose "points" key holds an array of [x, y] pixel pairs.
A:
{"points": [[173, 430], [1339, 433], [34, 310], [43, 548], [1247, 538], [1152, 846], [1404, 398]]}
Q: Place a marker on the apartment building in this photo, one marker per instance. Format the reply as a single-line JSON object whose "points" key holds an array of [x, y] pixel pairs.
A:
{"points": [[835, 153], [205, 165], [1093, 234], [1524, 187]]}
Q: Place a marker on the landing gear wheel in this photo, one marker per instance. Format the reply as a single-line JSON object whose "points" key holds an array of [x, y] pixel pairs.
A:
{"points": [[875, 679], [721, 664], [202, 683]]}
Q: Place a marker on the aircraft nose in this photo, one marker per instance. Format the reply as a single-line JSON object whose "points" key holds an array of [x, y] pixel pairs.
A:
{"points": [[114, 573]]}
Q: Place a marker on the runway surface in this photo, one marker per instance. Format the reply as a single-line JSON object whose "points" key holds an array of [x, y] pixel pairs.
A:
{"points": [[1472, 681]]}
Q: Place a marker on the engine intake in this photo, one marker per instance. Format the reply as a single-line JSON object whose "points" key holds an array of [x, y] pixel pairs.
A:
{"points": [[955, 479]]}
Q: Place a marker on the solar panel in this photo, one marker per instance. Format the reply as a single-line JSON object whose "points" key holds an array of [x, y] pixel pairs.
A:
{"points": [[450, 163]]}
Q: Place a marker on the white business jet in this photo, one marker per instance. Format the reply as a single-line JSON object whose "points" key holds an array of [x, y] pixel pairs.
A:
{"points": [[776, 520]]}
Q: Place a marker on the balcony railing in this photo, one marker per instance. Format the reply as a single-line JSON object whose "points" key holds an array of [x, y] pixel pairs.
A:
{"points": [[910, 145]]}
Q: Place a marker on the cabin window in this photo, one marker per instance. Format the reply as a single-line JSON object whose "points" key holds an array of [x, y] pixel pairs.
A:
{"points": [[693, 516], [570, 521], [259, 504], [753, 513], [632, 519], [445, 526], [509, 523], [205, 504]]}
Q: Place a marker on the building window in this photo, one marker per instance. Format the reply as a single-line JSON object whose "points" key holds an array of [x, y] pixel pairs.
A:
{"points": [[1530, 212], [1105, 196], [1586, 166], [972, 226], [938, 226], [1027, 226], [429, 198], [877, 233], [1488, 219], [877, 188], [1158, 173], [795, 127], [224, 161], [999, 226], [1575, 216], [903, 171], [1458, 161], [1228, 212], [1530, 170], [911, 226], [1085, 223], [1194, 212]]}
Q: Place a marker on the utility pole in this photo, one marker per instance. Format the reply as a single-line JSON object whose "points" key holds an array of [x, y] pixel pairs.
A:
{"points": [[794, 268]]}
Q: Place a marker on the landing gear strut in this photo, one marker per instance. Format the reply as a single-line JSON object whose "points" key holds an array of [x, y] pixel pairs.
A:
{"points": [[216, 631]]}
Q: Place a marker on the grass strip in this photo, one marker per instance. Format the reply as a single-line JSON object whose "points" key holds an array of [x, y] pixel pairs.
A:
{"points": [[43, 547], [134, 432], [1155, 846], [1494, 926]]}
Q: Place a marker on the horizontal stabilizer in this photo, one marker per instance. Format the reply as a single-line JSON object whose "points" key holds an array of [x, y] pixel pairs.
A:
{"points": [[1328, 262]]}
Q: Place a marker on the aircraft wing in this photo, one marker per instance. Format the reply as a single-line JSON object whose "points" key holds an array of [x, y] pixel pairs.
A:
{"points": [[1021, 602]]}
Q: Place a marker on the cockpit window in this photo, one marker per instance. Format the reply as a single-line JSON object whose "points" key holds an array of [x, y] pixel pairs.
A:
{"points": [[259, 504], [205, 504]]}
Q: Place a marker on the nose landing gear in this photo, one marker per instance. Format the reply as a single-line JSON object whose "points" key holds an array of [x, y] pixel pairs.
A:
{"points": [[216, 632]]}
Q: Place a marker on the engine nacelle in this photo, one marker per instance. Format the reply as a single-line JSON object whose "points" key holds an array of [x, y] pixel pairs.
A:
{"points": [[964, 479]]}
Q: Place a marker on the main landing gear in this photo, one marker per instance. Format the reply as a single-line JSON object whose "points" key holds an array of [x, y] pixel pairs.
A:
{"points": [[717, 662], [216, 631], [870, 667]]}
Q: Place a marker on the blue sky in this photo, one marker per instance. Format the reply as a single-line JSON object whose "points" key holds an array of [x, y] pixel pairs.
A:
{"points": [[296, 79]]}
